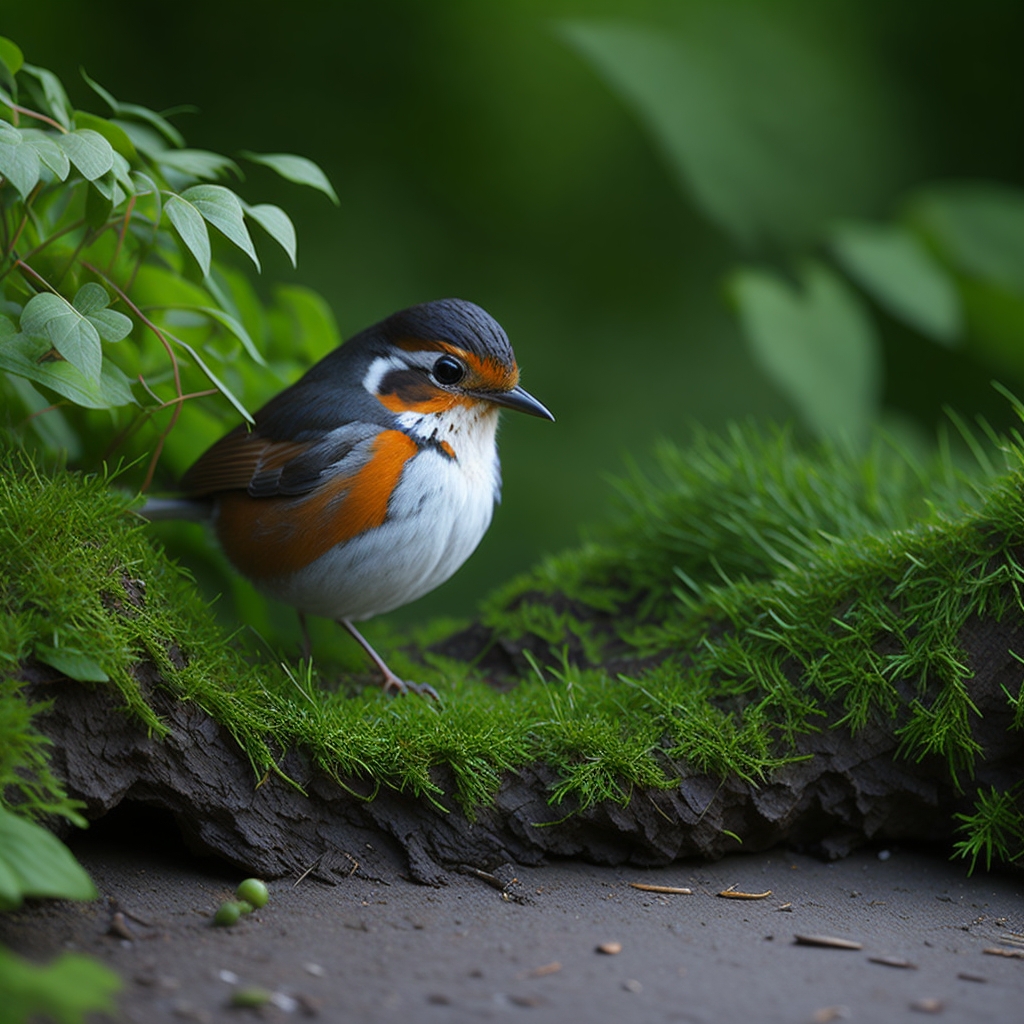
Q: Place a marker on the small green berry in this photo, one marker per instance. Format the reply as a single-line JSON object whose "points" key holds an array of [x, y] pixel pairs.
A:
{"points": [[250, 997], [245, 907], [253, 891], [227, 914]]}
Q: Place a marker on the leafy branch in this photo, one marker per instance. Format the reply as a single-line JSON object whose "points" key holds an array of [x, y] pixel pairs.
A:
{"points": [[113, 232]]}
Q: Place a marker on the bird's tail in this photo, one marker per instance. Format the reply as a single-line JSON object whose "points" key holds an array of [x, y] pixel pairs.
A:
{"points": [[193, 509]]}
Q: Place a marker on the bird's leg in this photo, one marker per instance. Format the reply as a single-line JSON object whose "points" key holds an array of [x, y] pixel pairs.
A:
{"points": [[391, 683], [307, 643]]}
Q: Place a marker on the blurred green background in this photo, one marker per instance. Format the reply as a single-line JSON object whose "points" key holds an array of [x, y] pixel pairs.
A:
{"points": [[503, 153]]}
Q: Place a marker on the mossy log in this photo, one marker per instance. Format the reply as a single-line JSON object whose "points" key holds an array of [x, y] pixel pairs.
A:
{"points": [[850, 790], [776, 647]]}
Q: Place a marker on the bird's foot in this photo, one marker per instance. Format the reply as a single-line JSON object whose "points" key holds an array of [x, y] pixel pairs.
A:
{"points": [[397, 687]]}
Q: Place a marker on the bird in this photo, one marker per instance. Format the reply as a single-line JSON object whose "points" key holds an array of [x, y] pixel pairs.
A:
{"points": [[370, 480]]}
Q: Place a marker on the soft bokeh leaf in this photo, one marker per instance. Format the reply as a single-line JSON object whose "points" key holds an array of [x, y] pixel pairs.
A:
{"points": [[299, 169], [277, 224], [19, 161], [198, 162], [894, 266], [53, 92], [74, 664], [52, 317], [191, 227], [980, 228], [10, 54], [35, 862], [235, 328], [154, 120], [818, 345], [68, 990], [223, 209], [88, 151], [302, 325], [103, 94], [771, 137]]}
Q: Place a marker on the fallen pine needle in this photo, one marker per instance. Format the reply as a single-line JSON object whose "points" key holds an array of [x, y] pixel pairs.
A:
{"points": [[892, 961], [1014, 954], [540, 972], [678, 890], [732, 893], [827, 941]]}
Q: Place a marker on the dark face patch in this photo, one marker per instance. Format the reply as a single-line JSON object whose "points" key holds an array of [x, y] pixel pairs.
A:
{"points": [[411, 390]]}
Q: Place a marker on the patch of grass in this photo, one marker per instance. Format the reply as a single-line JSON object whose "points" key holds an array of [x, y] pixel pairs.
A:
{"points": [[750, 582]]}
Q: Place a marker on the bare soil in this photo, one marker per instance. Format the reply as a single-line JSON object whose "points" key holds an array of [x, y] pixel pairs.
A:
{"points": [[376, 946]]}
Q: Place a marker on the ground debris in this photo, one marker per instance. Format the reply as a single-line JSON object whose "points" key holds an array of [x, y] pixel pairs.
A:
{"points": [[1013, 954], [826, 941], [893, 961], [732, 893], [610, 948], [678, 890]]}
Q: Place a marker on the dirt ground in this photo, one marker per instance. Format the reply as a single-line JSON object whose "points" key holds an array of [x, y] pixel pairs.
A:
{"points": [[376, 947]]}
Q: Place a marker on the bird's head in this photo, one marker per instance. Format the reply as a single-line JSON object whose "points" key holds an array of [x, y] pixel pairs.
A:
{"points": [[440, 355]]}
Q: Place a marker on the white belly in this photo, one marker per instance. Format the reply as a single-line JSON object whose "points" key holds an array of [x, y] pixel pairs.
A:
{"points": [[437, 516]]}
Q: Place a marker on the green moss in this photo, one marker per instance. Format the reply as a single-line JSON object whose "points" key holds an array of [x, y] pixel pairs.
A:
{"points": [[746, 584]]}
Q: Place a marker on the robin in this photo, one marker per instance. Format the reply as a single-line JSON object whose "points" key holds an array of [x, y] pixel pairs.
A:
{"points": [[369, 481]]}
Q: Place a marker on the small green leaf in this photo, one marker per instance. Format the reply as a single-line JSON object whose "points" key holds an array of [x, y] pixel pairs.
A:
{"points": [[277, 224], [894, 266], [223, 209], [191, 228], [114, 134], [67, 990], [99, 202], [214, 379], [26, 357], [296, 168], [198, 162], [53, 92], [35, 863], [817, 344], [154, 120], [92, 301], [73, 663], [103, 94], [48, 151], [88, 151], [19, 162], [52, 317], [90, 298], [228, 321], [10, 54]]}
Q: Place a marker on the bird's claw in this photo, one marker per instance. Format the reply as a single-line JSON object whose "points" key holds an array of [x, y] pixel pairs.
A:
{"points": [[398, 687]]}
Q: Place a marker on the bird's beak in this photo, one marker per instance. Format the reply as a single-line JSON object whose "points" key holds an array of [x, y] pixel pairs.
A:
{"points": [[517, 398]]}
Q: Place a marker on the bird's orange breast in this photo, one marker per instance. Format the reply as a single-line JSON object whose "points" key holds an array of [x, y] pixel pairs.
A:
{"points": [[269, 537]]}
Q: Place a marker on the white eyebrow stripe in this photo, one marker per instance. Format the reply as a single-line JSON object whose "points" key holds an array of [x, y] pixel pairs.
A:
{"points": [[378, 368]]}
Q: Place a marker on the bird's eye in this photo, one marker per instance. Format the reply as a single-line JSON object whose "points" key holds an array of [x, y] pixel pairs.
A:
{"points": [[448, 371]]}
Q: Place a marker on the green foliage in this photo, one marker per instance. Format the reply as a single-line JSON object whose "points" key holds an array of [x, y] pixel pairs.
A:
{"points": [[115, 295], [33, 862], [65, 991], [995, 829], [788, 157]]}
